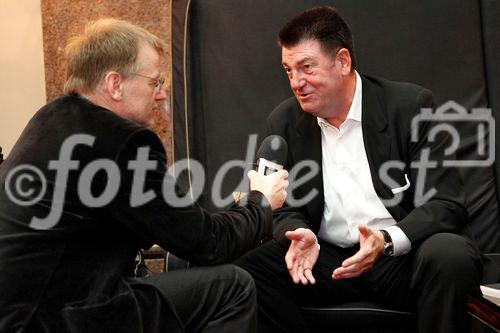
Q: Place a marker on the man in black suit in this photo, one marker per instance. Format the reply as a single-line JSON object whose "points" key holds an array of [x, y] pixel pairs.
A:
{"points": [[382, 218], [68, 238]]}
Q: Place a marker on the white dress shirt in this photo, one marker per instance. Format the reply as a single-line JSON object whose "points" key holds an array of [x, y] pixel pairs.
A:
{"points": [[350, 198]]}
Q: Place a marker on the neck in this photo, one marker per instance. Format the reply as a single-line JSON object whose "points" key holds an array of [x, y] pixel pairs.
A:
{"points": [[100, 99], [341, 110]]}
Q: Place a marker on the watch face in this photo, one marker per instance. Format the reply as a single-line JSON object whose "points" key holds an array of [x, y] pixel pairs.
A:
{"points": [[388, 249], [388, 245]]}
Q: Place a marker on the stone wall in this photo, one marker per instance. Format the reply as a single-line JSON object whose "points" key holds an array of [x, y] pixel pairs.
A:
{"points": [[62, 19]]}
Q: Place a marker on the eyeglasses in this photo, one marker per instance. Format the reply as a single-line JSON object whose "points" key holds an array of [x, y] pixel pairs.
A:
{"points": [[158, 82]]}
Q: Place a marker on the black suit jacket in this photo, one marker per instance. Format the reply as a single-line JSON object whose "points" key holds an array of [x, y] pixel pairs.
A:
{"points": [[75, 272], [387, 111]]}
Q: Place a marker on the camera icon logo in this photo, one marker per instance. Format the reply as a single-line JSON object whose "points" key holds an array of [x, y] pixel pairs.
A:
{"points": [[450, 117]]}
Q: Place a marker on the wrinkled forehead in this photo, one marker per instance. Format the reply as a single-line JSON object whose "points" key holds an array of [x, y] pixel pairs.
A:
{"points": [[307, 50]]}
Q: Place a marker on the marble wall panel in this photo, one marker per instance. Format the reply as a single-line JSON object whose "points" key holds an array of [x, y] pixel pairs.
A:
{"points": [[62, 19]]}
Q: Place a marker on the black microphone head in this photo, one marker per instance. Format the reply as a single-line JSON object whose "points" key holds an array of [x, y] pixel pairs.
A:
{"points": [[273, 148]]}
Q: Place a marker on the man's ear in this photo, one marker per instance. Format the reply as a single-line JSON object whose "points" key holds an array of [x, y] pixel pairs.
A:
{"points": [[113, 81], [344, 57]]}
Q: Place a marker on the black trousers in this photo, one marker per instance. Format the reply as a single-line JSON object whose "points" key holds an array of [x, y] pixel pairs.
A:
{"points": [[433, 279], [204, 299], [201, 299]]}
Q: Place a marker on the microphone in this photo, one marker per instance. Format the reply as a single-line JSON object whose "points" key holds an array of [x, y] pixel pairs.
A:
{"points": [[271, 155]]}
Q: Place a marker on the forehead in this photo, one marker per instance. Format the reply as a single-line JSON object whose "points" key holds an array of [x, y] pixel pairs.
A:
{"points": [[305, 50], [147, 56]]}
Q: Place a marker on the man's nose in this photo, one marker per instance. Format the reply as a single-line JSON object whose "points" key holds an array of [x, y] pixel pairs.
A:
{"points": [[160, 95], [297, 81]]}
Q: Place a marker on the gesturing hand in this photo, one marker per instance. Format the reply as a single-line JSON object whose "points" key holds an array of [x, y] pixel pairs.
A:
{"points": [[371, 246], [302, 255]]}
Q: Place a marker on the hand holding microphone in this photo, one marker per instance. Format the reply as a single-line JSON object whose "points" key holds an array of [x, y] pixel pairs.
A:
{"points": [[273, 186], [270, 178]]}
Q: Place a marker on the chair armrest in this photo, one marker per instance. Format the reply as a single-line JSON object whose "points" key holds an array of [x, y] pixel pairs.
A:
{"points": [[495, 257]]}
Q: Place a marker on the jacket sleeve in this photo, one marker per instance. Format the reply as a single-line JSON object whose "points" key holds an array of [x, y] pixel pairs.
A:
{"points": [[176, 223], [438, 196]]}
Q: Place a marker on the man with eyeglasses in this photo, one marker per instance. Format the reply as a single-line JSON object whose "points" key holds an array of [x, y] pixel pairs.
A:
{"points": [[74, 274]]}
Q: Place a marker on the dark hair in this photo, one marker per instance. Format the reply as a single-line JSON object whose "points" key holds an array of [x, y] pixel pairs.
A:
{"points": [[323, 24]]}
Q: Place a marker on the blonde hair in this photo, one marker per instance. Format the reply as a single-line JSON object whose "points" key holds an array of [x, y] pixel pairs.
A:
{"points": [[105, 45]]}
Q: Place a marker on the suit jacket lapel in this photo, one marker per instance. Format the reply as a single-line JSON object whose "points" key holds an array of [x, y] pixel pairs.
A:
{"points": [[376, 139], [307, 146]]}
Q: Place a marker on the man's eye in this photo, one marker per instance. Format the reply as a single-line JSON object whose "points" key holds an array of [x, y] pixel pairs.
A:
{"points": [[307, 67]]}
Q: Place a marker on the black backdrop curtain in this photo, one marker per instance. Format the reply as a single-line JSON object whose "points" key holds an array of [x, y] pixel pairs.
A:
{"points": [[227, 75]]}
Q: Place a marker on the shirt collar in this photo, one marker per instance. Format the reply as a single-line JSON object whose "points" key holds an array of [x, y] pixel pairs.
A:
{"points": [[355, 109]]}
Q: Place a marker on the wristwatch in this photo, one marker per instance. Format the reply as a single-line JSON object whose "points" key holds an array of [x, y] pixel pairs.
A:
{"points": [[388, 245]]}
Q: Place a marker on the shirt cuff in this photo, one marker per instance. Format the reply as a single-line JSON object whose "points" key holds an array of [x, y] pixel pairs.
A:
{"points": [[400, 242]]}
